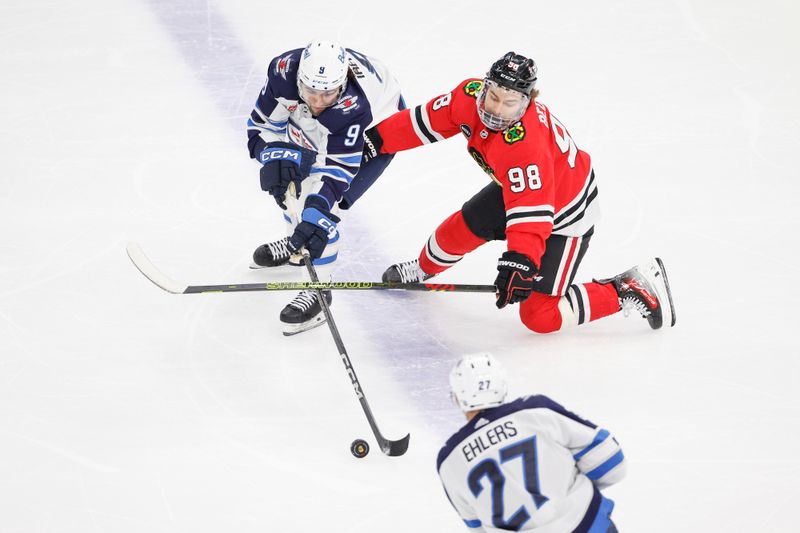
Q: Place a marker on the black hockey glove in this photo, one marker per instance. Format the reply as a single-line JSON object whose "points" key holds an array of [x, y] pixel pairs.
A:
{"points": [[515, 279], [372, 145], [284, 163], [317, 226]]}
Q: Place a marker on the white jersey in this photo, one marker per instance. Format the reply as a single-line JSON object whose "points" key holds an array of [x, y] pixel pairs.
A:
{"points": [[336, 134], [531, 465]]}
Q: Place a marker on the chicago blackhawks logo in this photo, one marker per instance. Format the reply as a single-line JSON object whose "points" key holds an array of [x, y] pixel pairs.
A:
{"points": [[476, 155], [514, 134], [473, 88]]}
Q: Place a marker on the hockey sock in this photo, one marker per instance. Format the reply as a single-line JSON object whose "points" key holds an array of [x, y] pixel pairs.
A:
{"points": [[589, 301], [448, 244], [544, 313]]}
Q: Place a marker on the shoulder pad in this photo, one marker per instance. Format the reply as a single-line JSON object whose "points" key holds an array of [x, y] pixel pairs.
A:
{"points": [[349, 109], [284, 67], [472, 86]]}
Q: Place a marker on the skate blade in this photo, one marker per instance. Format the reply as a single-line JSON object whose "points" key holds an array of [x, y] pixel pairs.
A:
{"points": [[255, 266], [672, 316], [294, 329]]}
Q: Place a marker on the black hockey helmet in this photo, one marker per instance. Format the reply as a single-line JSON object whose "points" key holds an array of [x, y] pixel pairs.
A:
{"points": [[514, 72]]}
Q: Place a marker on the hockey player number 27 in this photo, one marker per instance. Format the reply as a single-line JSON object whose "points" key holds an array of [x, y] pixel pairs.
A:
{"points": [[526, 450]]}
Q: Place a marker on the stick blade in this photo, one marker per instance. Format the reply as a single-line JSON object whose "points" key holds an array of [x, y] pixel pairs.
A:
{"points": [[149, 270], [395, 448]]}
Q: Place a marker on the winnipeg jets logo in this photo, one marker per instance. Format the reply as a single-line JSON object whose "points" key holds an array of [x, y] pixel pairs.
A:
{"points": [[283, 66], [348, 104], [297, 136]]}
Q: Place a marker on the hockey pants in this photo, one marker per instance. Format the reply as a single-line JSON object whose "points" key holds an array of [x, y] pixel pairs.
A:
{"points": [[556, 302]]}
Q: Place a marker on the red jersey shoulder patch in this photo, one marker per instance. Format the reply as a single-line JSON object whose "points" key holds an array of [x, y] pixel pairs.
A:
{"points": [[473, 87]]}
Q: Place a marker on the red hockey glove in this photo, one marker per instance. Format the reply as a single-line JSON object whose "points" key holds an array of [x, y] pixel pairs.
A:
{"points": [[515, 279]]}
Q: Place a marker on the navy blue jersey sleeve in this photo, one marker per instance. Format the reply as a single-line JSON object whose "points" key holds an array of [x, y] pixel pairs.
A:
{"points": [[270, 116], [346, 121]]}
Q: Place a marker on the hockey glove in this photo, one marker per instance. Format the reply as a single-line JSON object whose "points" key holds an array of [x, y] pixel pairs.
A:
{"points": [[317, 226], [515, 279], [284, 163], [372, 145]]}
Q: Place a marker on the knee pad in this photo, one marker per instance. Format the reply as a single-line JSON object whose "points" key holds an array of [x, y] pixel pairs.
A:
{"points": [[540, 313]]}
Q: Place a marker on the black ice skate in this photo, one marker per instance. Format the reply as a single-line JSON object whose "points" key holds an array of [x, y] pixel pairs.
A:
{"points": [[405, 272], [275, 254], [304, 312], [645, 288]]}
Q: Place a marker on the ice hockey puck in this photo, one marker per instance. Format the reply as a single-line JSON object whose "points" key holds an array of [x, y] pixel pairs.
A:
{"points": [[360, 448]]}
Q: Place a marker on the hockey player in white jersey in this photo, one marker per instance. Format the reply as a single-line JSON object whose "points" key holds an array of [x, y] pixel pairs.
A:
{"points": [[307, 129], [528, 464]]}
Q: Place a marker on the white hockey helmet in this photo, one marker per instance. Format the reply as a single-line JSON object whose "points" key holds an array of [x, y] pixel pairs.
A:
{"points": [[323, 66], [477, 382]]}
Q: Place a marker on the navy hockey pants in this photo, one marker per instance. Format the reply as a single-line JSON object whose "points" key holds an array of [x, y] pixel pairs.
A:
{"points": [[367, 175]]}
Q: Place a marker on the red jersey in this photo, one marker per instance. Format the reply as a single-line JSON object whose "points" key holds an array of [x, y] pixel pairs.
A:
{"points": [[548, 184]]}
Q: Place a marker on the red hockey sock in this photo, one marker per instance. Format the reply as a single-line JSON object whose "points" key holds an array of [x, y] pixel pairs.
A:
{"points": [[543, 313], [448, 244], [591, 301]]}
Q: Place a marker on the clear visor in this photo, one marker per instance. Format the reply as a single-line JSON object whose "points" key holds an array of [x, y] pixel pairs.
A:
{"points": [[317, 97], [499, 107]]}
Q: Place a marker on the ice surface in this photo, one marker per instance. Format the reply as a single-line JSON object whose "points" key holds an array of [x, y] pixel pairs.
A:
{"points": [[127, 409]]}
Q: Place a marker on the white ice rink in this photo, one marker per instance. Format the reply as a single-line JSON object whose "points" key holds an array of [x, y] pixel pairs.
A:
{"points": [[126, 409]]}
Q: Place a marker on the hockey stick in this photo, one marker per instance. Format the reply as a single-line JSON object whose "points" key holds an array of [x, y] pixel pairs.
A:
{"points": [[149, 270], [391, 448]]}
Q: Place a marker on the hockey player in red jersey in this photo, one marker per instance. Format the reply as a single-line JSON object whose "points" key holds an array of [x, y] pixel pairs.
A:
{"points": [[542, 200]]}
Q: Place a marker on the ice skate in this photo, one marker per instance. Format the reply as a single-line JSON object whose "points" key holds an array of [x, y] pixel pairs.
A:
{"points": [[304, 312], [645, 289], [274, 254], [405, 272]]}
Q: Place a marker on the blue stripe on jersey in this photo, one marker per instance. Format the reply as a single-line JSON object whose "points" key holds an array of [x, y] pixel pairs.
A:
{"points": [[473, 523], [286, 218], [335, 173], [599, 438], [603, 520], [351, 160], [253, 125], [278, 123], [606, 467], [597, 517], [258, 113]]}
